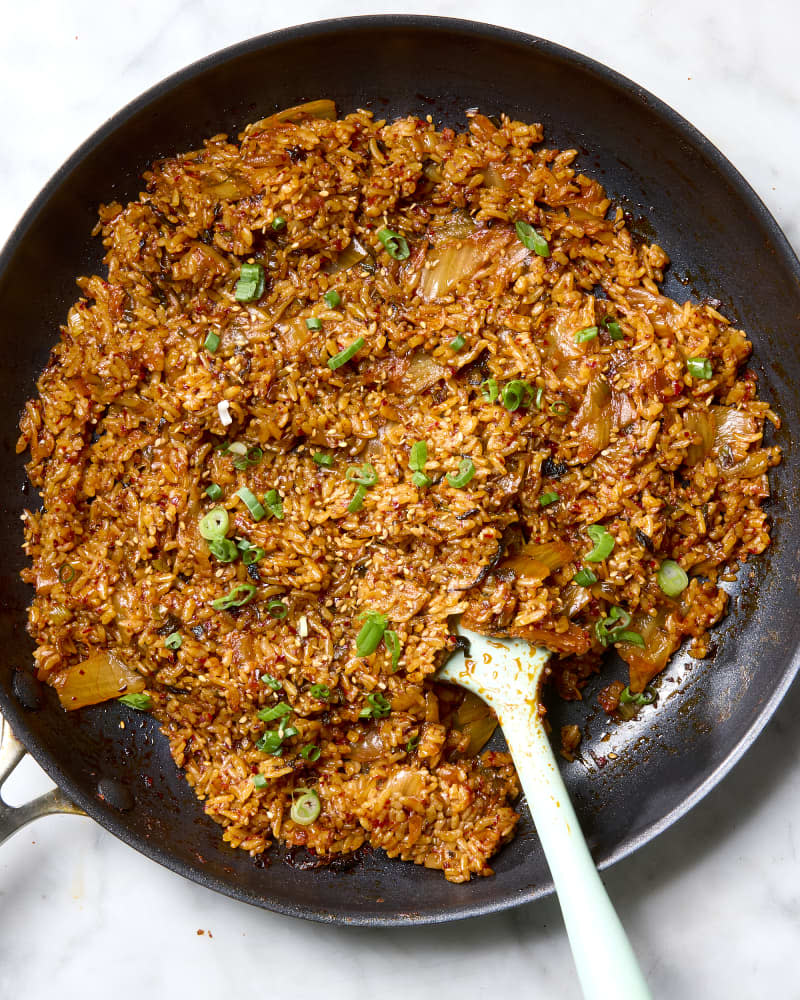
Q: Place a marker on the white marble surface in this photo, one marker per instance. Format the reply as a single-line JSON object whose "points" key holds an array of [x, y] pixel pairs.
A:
{"points": [[713, 905]]}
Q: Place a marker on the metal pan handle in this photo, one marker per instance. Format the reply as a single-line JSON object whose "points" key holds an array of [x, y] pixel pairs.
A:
{"points": [[12, 818]]}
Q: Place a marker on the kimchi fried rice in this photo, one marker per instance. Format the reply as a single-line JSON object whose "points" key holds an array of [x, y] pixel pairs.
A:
{"points": [[344, 380]]}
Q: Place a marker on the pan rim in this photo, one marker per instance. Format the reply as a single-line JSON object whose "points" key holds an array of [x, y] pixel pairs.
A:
{"points": [[100, 811]]}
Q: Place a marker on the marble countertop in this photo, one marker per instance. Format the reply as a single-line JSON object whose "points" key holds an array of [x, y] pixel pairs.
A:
{"points": [[713, 905]]}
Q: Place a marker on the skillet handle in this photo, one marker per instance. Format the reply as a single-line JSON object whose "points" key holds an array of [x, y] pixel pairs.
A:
{"points": [[12, 818]]}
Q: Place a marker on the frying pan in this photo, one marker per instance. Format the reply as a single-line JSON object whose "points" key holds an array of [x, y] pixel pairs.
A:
{"points": [[632, 780]]}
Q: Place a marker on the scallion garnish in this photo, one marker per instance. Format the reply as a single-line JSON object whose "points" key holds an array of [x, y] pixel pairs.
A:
{"points": [[699, 367], [278, 223], [358, 500], [251, 283], [603, 543], [326, 461], [377, 707], [614, 628], [545, 499], [314, 323], [466, 470], [344, 356], [537, 397], [214, 524], [412, 744], [245, 457], [394, 244], [559, 408], [531, 239], [141, 702], [366, 474], [260, 781], [587, 333], [418, 456], [320, 692], [369, 638], [274, 504], [584, 578], [306, 808], [489, 390], [173, 641], [212, 342], [646, 697], [457, 343], [214, 491], [421, 481], [240, 595], [67, 573], [223, 549], [271, 682], [614, 329], [517, 393], [251, 501], [277, 609], [310, 751], [272, 740], [393, 645], [276, 712], [333, 298], [252, 554], [671, 578]]}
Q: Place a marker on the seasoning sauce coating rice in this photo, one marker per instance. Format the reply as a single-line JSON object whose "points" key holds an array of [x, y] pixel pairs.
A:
{"points": [[344, 380]]}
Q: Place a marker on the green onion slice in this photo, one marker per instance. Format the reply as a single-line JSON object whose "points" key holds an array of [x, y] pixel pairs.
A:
{"points": [[377, 707], [311, 752], [420, 480], [366, 474], [546, 499], [584, 577], [466, 470], [214, 491], [223, 549], [412, 744], [214, 524], [394, 244], [306, 807], [212, 342], [699, 367], [251, 283], [603, 543], [559, 408], [274, 504], [489, 390], [67, 573], [320, 691], [418, 456], [671, 578], [260, 781], [277, 609], [251, 501], [457, 343], [369, 638], [240, 595], [332, 298], [276, 712], [278, 223], [244, 456], [344, 356], [252, 554], [646, 697], [614, 329], [392, 642], [358, 500], [537, 398], [271, 682], [141, 702], [606, 628], [314, 323], [531, 239], [173, 641], [517, 393], [588, 333], [326, 461]]}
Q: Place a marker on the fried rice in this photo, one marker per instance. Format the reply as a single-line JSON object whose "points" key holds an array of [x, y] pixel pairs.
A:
{"points": [[344, 380]]}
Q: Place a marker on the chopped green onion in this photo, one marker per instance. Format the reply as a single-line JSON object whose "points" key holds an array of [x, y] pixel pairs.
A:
{"points": [[606, 628], [326, 461], [277, 609], [252, 554], [240, 595], [588, 333], [251, 501], [173, 641], [418, 456], [466, 470], [344, 356], [632, 637], [603, 543], [584, 577], [647, 697], [547, 498], [223, 549], [394, 244], [278, 222], [251, 283], [333, 298], [320, 691], [366, 475], [517, 393], [393, 645], [420, 480], [247, 456], [412, 744], [212, 342], [369, 638], [699, 367], [559, 408], [214, 491], [141, 702], [311, 752], [305, 809], [531, 239], [214, 524], [614, 329], [457, 343], [358, 500], [377, 707], [489, 390], [274, 504], [276, 712], [67, 573], [272, 739], [260, 781], [314, 323], [537, 398], [271, 682], [671, 578]]}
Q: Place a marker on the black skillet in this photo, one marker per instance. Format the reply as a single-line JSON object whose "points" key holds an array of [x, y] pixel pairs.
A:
{"points": [[678, 188]]}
